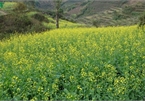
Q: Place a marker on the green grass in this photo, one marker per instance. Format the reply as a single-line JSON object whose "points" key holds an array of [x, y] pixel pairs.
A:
{"points": [[74, 64], [30, 14], [8, 6], [35, 25], [62, 23], [52, 25]]}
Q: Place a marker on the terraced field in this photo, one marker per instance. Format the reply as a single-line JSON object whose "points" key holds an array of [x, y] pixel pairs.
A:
{"points": [[116, 16]]}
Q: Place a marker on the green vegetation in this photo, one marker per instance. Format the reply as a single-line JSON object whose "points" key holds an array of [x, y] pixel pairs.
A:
{"points": [[18, 18], [142, 21], [106, 13], [40, 62], [9, 6], [21, 23], [57, 4], [74, 64], [20, 7]]}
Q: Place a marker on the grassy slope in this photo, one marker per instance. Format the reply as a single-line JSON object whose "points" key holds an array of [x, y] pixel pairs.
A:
{"points": [[9, 6], [74, 64], [88, 10], [51, 24], [36, 24]]}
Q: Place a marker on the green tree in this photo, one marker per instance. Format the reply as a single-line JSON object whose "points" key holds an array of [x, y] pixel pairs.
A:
{"points": [[57, 4]]}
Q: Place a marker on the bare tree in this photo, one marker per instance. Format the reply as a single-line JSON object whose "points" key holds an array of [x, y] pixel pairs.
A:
{"points": [[57, 4]]}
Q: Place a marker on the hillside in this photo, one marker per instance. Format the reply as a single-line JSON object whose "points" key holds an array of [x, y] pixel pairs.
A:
{"points": [[102, 12], [27, 20], [105, 12], [108, 13]]}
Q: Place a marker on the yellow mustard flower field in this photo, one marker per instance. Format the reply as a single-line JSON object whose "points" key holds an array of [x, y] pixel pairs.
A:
{"points": [[74, 64]]}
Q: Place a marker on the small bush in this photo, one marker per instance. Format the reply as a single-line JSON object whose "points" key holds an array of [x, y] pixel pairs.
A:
{"points": [[40, 17], [15, 23], [20, 7], [128, 9], [141, 21], [96, 23], [21, 23]]}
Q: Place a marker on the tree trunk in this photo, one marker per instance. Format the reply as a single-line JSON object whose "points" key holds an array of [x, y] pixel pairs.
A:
{"points": [[57, 6], [57, 20]]}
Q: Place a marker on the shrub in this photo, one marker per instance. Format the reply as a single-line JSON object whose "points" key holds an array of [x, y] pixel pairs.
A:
{"points": [[96, 23], [20, 7], [128, 9], [21, 23], [141, 21], [40, 17], [15, 23]]}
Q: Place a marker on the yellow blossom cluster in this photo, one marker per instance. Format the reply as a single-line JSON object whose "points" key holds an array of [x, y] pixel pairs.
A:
{"points": [[74, 64]]}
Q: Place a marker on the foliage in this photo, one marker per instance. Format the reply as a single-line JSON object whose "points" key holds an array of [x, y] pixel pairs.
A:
{"points": [[74, 64], [40, 17], [11, 23], [30, 22], [141, 21], [128, 9], [8, 6], [96, 23], [20, 23], [20, 7], [119, 16]]}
